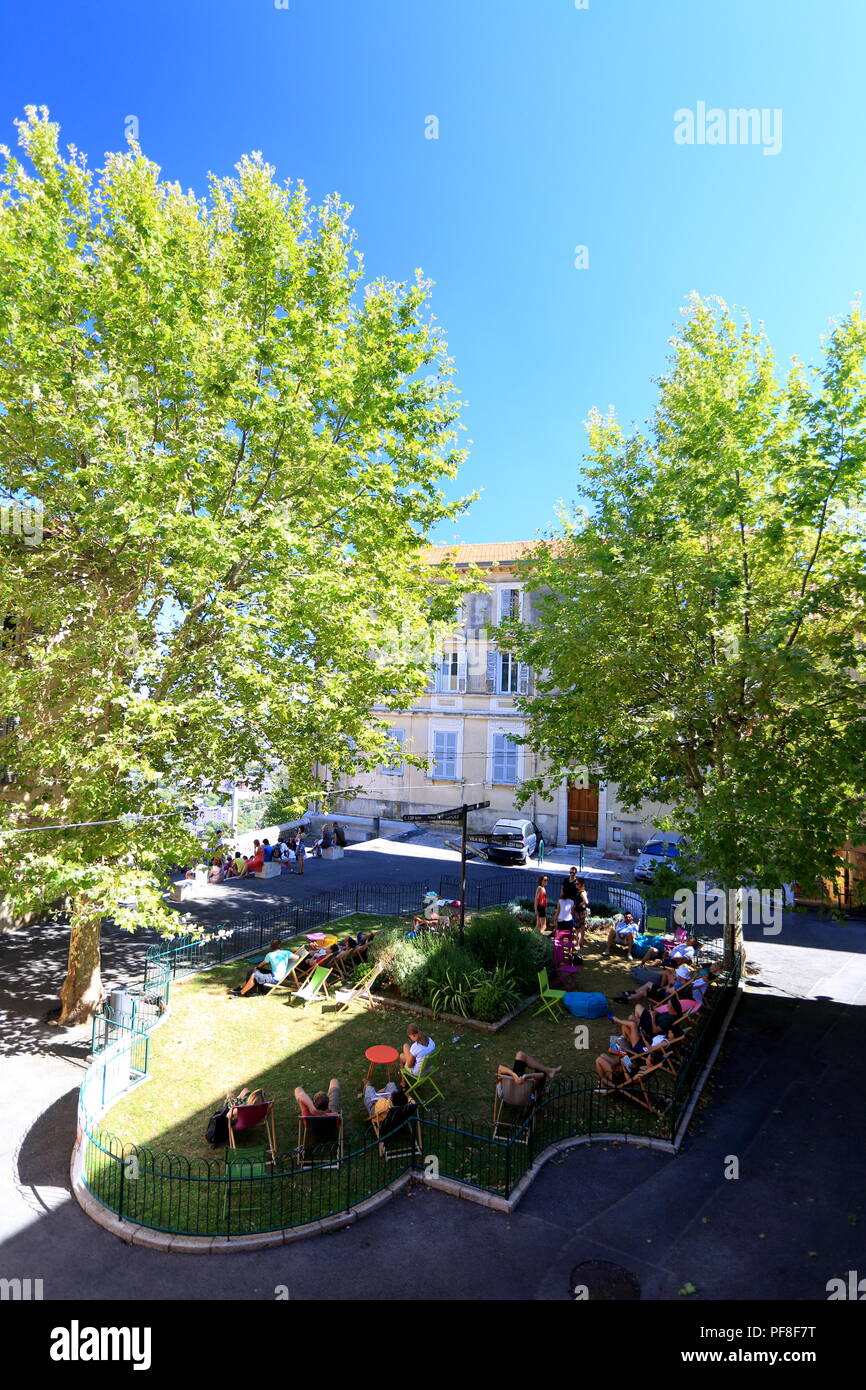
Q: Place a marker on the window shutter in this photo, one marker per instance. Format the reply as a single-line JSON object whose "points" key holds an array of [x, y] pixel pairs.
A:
{"points": [[491, 669], [523, 678], [482, 610], [461, 671]]}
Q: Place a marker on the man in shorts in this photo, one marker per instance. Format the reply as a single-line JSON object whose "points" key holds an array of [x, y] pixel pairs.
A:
{"points": [[517, 1085]]}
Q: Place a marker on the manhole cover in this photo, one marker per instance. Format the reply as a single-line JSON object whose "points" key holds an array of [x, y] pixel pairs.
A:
{"points": [[598, 1280]]}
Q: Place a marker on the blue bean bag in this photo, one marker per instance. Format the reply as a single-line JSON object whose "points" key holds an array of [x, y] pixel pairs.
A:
{"points": [[586, 1005]]}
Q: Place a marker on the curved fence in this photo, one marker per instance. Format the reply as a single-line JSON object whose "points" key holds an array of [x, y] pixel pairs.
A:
{"points": [[205, 1197]]}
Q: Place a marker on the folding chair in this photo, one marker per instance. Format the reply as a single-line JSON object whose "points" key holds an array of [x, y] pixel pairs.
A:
{"points": [[245, 1171], [243, 1118], [565, 967], [315, 988], [398, 1120], [289, 978], [359, 993], [415, 1083], [633, 1086], [550, 1000], [524, 1117], [655, 926], [318, 1147]]}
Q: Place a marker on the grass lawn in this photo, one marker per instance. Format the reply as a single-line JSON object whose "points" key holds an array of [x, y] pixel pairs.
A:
{"points": [[211, 1045]]}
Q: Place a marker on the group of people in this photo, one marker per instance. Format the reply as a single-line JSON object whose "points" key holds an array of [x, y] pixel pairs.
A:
{"points": [[280, 960], [290, 853], [378, 1102], [572, 908]]}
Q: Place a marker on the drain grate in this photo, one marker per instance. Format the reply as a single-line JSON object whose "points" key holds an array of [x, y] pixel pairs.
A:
{"points": [[600, 1281]]}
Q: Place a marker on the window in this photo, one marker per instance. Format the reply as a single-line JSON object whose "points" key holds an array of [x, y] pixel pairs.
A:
{"points": [[507, 674], [398, 738], [444, 755], [504, 760], [448, 672], [509, 604]]}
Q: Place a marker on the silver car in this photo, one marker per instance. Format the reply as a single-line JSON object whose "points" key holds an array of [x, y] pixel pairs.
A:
{"points": [[515, 841]]}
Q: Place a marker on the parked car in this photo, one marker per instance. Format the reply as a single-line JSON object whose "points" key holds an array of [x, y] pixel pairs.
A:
{"points": [[661, 848], [515, 842]]}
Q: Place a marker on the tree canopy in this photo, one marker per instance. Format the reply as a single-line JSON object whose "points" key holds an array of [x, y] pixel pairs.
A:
{"points": [[240, 450], [702, 638]]}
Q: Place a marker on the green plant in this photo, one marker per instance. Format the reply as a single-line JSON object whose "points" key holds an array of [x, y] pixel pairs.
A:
{"points": [[497, 996], [454, 993]]}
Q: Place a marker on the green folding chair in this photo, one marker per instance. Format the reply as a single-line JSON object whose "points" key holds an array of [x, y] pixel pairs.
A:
{"points": [[656, 926], [550, 1000], [314, 988], [246, 1170], [415, 1085]]}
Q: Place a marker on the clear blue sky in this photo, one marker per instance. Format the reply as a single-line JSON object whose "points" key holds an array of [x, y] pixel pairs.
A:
{"points": [[556, 130]]}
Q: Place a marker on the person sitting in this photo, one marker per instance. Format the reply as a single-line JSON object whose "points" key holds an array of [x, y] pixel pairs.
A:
{"points": [[267, 850], [378, 1103], [623, 933], [323, 1109], [524, 1080], [216, 872], [430, 916], [268, 971], [339, 835], [253, 865], [416, 1049], [325, 841]]}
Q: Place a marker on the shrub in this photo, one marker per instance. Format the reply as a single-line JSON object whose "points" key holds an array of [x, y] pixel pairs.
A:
{"points": [[453, 994], [497, 996], [404, 962]]}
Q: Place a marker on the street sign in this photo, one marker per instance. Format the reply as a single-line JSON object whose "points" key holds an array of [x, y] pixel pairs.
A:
{"points": [[453, 814]]}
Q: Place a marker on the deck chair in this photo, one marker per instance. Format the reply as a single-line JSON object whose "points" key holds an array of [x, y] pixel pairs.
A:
{"points": [[550, 1000], [655, 926], [416, 1085], [319, 1146], [243, 1118], [289, 978], [399, 1123], [315, 988], [634, 1087], [512, 1121], [246, 1169], [359, 993], [664, 1056]]}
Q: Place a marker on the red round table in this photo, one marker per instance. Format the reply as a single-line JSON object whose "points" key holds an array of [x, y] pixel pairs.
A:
{"points": [[381, 1056]]}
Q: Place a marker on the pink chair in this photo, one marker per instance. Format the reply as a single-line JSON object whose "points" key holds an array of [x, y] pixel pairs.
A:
{"points": [[246, 1117]]}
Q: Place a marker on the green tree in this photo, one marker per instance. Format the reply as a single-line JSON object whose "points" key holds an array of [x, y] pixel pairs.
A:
{"points": [[701, 639], [240, 450]]}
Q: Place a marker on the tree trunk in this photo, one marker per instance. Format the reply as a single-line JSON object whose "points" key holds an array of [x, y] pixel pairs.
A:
{"points": [[81, 993], [734, 950]]}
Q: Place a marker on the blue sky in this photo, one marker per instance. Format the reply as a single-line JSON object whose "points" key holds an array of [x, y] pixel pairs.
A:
{"points": [[556, 130]]}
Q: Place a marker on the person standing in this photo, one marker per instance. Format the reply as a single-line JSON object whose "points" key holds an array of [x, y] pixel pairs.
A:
{"points": [[300, 851], [541, 904], [581, 912]]}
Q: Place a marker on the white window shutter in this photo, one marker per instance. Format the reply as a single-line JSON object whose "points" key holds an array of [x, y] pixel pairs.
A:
{"points": [[523, 678], [461, 671]]}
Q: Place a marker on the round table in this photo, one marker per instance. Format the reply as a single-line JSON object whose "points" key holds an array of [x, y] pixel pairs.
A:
{"points": [[381, 1055]]}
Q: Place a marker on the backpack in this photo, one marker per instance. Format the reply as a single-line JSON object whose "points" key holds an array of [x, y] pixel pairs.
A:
{"points": [[217, 1132]]}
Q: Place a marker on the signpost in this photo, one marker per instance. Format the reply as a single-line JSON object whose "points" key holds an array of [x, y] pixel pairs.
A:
{"points": [[455, 816]]}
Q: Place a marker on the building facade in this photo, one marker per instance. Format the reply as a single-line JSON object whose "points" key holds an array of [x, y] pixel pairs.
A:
{"points": [[467, 721]]}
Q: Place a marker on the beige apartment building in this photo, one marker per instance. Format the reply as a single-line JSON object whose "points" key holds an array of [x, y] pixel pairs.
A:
{"points": [[467, 720]]}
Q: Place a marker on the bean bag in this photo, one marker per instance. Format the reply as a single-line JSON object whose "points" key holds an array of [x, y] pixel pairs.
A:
{"points": [[586, 1005]]}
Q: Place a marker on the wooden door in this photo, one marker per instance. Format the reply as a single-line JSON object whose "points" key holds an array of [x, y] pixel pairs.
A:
{"points": [[583, 815]]}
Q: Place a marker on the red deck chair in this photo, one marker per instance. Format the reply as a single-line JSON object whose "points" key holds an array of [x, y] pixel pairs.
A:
{"points": [[246, 1117]]}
